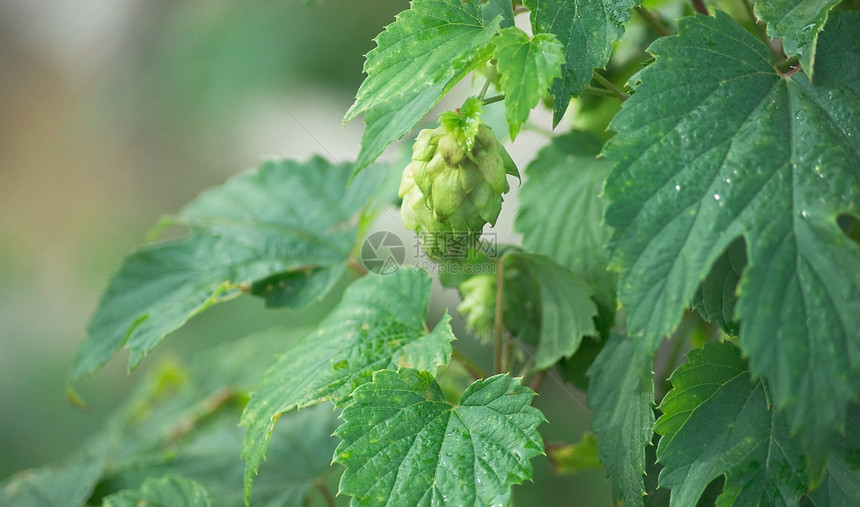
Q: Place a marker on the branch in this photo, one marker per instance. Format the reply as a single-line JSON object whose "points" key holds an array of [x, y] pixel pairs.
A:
{"points": [[700, 7], [499, 361], [611, 87], [653, 21], [470, 365]]}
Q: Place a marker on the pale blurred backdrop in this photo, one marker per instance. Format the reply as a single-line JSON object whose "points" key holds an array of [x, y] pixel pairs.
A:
{"points": [[114, 112]]}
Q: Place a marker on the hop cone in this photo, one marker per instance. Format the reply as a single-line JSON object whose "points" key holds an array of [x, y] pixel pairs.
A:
{"points": [[454, 184]]}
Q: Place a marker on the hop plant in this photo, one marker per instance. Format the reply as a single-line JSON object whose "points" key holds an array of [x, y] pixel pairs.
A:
{"points": [[454, 184]]}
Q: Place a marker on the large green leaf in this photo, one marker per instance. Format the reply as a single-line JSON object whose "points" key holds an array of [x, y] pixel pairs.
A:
{"points": [[561, 210], [621, 393], [184, 422], [527, 68], [299, 457], [70, 484], [587, 30], [287, 219], [379, 324], [841, 486], [168, 490], [716, 144], [566, 309], [797, 23], [717, 421], [418, 58], [403, 444]]}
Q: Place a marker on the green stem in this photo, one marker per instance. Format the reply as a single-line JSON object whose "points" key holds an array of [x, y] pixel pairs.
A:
{"points": [[470, 365], [653, 21], [499, 352], [322, 488], [599, 91], [486, 86], [611, 87], [494, 98], [358, 268]]}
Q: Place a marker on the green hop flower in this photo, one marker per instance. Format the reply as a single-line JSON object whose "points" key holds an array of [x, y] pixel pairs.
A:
{"points": [[454, 184]]}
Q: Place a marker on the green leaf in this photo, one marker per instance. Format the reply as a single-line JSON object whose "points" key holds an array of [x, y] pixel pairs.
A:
{"points": [[573, 458], [587, 30], [841, 486], [418, 58], [717, 421], [706, 157], [493, 8], [183, 421], [620, 393], [69, 484], [797, 23], [287, 219], [403, 444], [567, 311], [716, 296], [299, 457], [379, 324], [168, 490], [527, 68], [561, 210]]}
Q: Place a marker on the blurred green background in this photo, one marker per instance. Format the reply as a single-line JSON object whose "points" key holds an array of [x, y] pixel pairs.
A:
{"points": [[113, 112]]}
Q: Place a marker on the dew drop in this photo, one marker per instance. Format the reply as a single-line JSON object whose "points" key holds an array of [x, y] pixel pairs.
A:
{"points": [[678, 188], [803, 213], [717, 197]]}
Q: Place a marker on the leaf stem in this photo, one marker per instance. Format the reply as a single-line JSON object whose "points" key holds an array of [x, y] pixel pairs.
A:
{"points": [[358, 268], [611, 87], [470, 365], [599, 91], [486, 86], [653, 21], [537, 381], [494, 98], [700, 7], [499, 353], [322, 488]]}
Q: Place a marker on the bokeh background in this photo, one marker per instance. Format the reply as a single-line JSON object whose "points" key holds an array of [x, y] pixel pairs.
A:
{"points": [[114, 112]]}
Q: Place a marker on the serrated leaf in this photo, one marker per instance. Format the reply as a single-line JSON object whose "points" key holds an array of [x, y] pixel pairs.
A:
{"points": [[493, 8], [573, 458], [621, 393], [561, 210], [587, 30], [403, 444], [716, 296], [286, 219], [705, 157], [379, 324], [418, 58], [299, 457], [841, 486], [797, 23], [567, 311], [168, 490], [716, 421], [66, 485], [527, 68], [183, 421]]}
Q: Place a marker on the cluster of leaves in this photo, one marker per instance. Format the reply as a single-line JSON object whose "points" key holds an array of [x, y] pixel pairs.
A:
{"points": [[730, 186]]}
